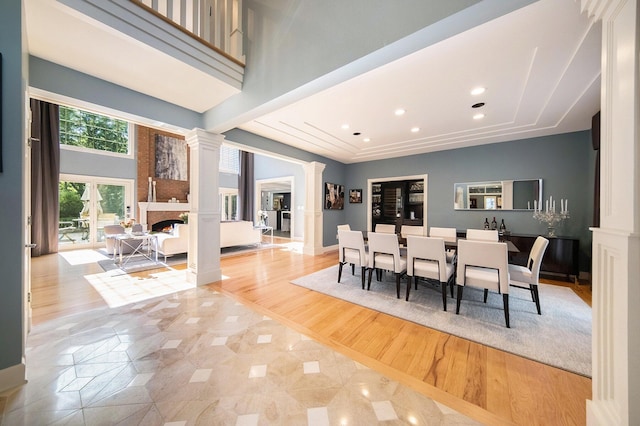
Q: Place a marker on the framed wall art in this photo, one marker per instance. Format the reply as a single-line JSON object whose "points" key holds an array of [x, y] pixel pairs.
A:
{"points": [[355, 195], [333, 196]]}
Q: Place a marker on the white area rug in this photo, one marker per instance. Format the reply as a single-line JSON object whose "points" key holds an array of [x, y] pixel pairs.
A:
{"points": [[560, 337]]}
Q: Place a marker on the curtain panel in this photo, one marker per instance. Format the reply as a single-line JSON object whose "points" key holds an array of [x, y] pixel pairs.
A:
{"points": [[45, 177], [246, 186]]}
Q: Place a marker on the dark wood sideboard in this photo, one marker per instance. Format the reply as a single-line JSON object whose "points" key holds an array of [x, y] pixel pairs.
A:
{"points": [[560, 259]]}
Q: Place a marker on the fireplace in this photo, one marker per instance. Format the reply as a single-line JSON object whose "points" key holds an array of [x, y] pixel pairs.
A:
{"points": [[164, 225]]}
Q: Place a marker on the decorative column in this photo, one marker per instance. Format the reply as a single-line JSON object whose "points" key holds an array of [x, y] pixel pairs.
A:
{"points": [[203, 259], [313, 229], [616, 244]]}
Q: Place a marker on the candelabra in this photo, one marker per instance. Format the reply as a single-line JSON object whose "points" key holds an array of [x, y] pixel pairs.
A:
{"points": [[550, 216]]}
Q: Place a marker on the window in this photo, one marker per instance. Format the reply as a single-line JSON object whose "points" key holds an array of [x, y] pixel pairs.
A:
{"points": [[229, 203], [87, 130], [229, 159]]}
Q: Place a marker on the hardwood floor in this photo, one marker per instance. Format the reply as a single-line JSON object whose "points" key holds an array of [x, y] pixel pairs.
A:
{"points": [[492, 386]]}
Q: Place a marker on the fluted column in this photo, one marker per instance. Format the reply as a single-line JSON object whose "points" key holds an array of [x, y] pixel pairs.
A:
{"points": [[313, 229], [616, 243], [203, 260]]}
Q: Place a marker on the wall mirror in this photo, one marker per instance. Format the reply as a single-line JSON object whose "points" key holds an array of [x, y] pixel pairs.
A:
{"points": [[498, 195]]}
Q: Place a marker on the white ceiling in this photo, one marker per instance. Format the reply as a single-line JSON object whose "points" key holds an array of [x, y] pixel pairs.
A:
{"points": [[540, 66]]}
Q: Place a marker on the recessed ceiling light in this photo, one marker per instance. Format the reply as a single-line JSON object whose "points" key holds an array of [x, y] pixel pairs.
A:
{"points": [[415, 129], [478, 105], [345, 126], [478, 116], [366, 140], [478, 91], [400, 111]]}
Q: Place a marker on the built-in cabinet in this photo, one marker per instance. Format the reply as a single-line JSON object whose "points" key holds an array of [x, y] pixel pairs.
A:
{"points": [[398, 202]]}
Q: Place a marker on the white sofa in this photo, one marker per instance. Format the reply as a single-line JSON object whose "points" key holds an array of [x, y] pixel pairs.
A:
{"points": [[239, 233], [174, 243]]}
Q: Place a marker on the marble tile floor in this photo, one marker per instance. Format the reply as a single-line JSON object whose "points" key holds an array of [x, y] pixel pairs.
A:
{"points": [[197, 357]]}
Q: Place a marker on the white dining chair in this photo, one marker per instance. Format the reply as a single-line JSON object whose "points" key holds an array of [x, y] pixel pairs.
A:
{"points": [[352, 251], [449, 235], [482, 234], [384, 254], [483, 264], [528, 276], [345, 227], [426, 258], [385, 228]]}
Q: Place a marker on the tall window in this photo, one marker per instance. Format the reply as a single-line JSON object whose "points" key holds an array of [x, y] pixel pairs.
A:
{"points": [[229, 159], [87, 130]]}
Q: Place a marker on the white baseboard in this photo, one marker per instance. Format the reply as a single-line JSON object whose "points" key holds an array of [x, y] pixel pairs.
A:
{"points": [[12, 377]]}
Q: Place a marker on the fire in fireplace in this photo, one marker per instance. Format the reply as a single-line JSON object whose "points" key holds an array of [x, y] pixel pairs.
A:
{"points": [[164, 225]]}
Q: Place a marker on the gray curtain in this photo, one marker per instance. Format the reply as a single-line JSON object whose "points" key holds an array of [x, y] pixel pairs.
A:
{"points": [[45, 177], [245, 187]]}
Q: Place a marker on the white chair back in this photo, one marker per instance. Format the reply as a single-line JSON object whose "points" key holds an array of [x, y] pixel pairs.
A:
{"points": [[482, 234], [385, 228], [384, 252], [351, 248], [345, 227], [406, 230], [450, 235], [426, 258], [483, 264], [535, 258]]}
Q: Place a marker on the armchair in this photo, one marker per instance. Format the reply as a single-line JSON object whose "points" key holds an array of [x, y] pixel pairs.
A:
{"points": [[384, 254], [426, 258], [352, 251], [483, 264], [527, 277]]}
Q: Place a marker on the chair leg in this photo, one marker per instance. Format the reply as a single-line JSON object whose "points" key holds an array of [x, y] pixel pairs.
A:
{"points": [[409, 286], [444, 295], [505, 300], [536, 297], [363, 271], [369, 284], [379, 274], [353, 269], [398, 285], [340, 271], [458, 299], [486, 293]]}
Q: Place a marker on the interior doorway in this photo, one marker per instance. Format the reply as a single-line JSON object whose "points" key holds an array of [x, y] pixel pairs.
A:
{"points": [[275, 197]]}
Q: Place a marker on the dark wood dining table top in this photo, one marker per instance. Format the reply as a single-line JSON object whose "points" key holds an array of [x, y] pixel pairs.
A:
{"points": [[511, 248]]}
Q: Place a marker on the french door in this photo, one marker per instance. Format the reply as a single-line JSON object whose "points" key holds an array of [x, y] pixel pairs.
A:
{"points": [[87, 204]]}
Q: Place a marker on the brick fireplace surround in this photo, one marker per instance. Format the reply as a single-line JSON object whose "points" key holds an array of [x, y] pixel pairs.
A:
{"points": [[165, 188]]}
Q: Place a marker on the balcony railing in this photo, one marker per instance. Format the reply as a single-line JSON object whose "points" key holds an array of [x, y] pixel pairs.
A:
{"points": [[217, 23]]}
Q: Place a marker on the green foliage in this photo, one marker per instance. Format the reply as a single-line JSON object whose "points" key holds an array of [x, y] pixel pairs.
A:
{"points": [[88, 130], [70, 202]]}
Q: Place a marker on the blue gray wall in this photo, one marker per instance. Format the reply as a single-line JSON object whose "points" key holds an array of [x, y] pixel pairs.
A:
{"points": [[565, 163], [64, 81], [13, 81]]}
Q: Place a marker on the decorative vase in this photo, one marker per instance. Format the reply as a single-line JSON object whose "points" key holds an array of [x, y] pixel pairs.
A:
{"points": [[150, 191]]}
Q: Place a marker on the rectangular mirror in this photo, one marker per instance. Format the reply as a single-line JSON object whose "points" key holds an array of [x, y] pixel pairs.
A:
{"points": [[497, 195]]}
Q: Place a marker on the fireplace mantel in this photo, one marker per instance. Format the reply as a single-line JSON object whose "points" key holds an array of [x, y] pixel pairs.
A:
{"points": [[146, 206]]}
